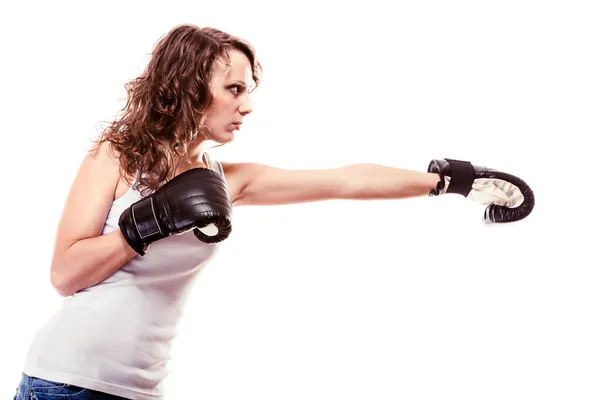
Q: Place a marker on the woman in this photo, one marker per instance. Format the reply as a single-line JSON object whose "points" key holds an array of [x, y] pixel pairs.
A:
{"points": [[135, 227]]}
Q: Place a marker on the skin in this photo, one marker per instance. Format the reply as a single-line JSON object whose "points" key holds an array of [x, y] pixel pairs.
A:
{"points": [[230, 87], [83, 257]]}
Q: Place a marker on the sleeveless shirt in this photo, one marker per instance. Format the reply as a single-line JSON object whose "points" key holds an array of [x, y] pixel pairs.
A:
{"points": [[116, 336]]}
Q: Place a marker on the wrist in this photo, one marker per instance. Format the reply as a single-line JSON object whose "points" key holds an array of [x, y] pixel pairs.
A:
{"points": [[439, 184]]}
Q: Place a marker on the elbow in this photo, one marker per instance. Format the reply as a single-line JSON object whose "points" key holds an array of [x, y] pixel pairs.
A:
{"points": [[61, 282], [353, 182]]}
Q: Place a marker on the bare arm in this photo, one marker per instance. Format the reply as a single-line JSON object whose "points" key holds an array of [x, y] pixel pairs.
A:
{"points": [[82, 257], [259, 184]]}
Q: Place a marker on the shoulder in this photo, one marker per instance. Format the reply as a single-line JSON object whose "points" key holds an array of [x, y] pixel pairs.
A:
{"points": [[237, 176], [245, 177], [104, 158], [103, 152]]}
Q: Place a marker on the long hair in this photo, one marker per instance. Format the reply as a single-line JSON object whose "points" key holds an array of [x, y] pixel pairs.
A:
{"points": [[165, 105]]}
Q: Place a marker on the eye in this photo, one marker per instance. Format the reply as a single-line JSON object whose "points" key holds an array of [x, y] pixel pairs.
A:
{"points": [[235, 89]]}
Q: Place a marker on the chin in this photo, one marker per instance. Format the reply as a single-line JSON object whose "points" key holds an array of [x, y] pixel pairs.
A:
{"points": [[224, 138]]}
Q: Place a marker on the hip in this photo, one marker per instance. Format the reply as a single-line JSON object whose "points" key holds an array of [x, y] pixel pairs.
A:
{"points": [[37, 389]]}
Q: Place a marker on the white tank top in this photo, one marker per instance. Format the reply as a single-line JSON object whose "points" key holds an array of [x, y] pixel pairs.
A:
{"points": [[116, 336]]}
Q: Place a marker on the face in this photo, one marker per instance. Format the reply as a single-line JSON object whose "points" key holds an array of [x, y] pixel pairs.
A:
{"points": [[231, 86]]}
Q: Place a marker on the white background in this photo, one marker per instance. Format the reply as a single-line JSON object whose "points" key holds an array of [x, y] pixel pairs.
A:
{"points": [[410, 299]]}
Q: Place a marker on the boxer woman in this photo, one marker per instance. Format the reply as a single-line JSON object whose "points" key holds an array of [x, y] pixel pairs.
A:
{"points": [[148, 208]]}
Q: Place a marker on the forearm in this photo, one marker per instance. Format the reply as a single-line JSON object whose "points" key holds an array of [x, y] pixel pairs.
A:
{"points": [[90, 261], [373, 181]]}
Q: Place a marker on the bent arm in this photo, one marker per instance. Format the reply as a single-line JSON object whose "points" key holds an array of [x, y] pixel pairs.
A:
{"points": [[83, 257], [88, 262]]}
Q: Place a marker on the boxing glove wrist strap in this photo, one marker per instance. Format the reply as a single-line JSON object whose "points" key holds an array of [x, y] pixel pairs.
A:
{"points": [[460, 177], [145, 220]]}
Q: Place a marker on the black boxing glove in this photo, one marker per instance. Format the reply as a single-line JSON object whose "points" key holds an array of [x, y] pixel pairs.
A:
{"points": [[508, 198], [194, 199]]}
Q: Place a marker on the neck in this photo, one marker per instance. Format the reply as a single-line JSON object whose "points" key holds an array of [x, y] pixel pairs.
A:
{"points": [[195, 155], [196, 152]]}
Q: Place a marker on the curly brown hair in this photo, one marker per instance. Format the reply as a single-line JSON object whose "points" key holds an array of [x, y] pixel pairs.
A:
{"points": [[165, 105]]}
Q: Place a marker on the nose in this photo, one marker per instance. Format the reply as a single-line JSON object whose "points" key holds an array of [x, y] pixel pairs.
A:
{"points": [[246, 106]]}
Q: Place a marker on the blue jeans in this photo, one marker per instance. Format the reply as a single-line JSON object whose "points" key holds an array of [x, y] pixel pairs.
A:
{"points": [[31, 388]]}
